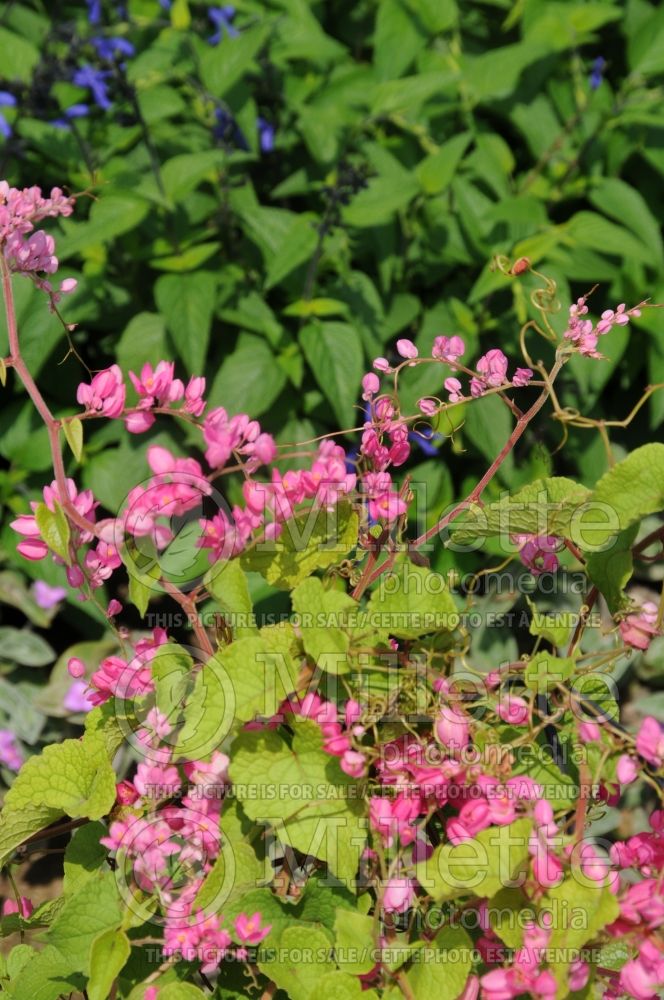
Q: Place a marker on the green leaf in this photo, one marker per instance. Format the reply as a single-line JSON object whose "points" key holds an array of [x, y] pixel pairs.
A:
{"points": [[108, 955], [380, 200], [249, 379], [334, 354], [313, 540], [19, 56], [84, 857], [411, 601], [436, 171], [553, 627], [181, 991], [624, 203], [340, 986], [228, 584], [182, 174], [611, 569], [224, 64], [628, 492], [54, 529], [187, 302], [72, 778], [589, 229], [48, 976], [93, 909], [13, 591], [73, 430], [545, 507], [584, 910], [143, 341], [322, 620], [302, 793], [299, 244], [250, 677], [442, 968], [299, 979], [24, 647], [354, 941], [544, 671], [481, 866], [397, 39]]}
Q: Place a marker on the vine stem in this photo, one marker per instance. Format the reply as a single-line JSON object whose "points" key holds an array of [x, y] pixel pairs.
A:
{"points": [[30, 386], [473, 497], [188, 605]]}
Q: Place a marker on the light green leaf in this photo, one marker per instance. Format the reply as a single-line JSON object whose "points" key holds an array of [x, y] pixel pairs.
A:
{"points": [[611, 569], [93, 909], [442, 968], [313, 540], [298, 978], [73, 430], [84, 857], [108, 955], [436, 171], [228, 584], [354, 941], [545, 507], [302, 793], [72, 778], [322, 619], [628, 492], [54, 529], [249, 379], [411, 601], [491, 861], [299, 244], [544, 671]]}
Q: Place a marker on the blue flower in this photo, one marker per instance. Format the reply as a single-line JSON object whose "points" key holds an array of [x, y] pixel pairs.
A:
{"points": [[94, 80], [75, 111], [108, 48], [597, 74], [221, 17], [7, 100], [266, 134], [94, 11]]}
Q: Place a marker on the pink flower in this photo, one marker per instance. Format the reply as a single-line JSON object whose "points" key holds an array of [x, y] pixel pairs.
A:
{"points": [[193, 396], [114, 608], [249, 930], [453, 386], [370, 385], [24, 907], [626, 769], [406, 349], [105, 394], [452, 728], [382, 365], [448, 348], [522, 376], [353, 763], [538, 552], [398, 895], [493, 367], [513, 710], [639, 628], [643, 977], [75, 667], [650, 741], [589, 732], [427, 406]]}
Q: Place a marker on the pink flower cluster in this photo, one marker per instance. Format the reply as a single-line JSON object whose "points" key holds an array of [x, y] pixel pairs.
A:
{"points": [[584, 334], [118, 678], [26, 250], [338, 739], [524, 975]]}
